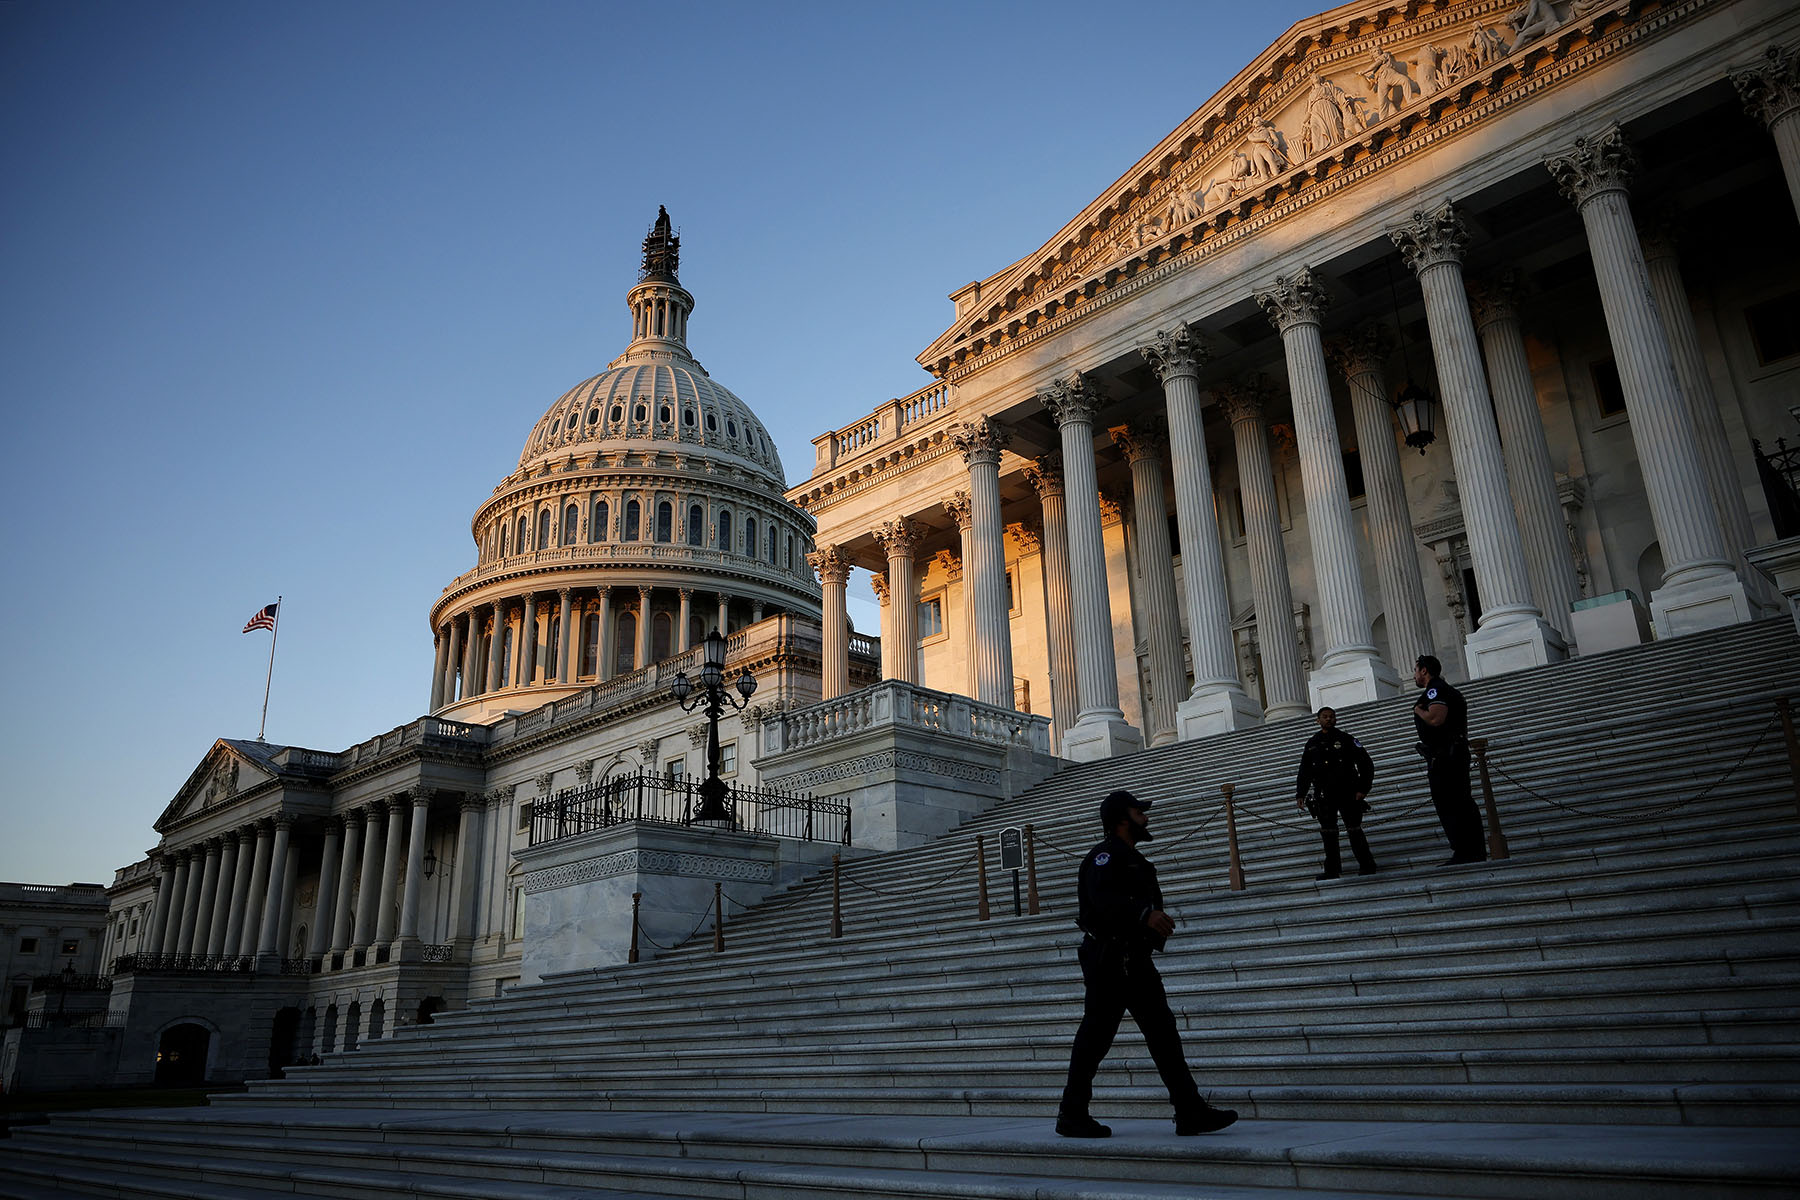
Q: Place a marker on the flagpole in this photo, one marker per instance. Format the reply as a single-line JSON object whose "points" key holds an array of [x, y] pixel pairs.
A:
{"points": [[274, 632]]}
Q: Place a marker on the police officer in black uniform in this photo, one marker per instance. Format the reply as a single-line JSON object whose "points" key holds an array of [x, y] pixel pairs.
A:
{"points": [[1441, 717], [1337, 771], [1121, 911]]}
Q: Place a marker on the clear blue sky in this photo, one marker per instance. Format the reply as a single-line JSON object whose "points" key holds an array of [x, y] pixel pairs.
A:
{"points": [[284, 287]]}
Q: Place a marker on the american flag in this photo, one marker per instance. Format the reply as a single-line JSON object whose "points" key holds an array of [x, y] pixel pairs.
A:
{"points": [[264, 618]]}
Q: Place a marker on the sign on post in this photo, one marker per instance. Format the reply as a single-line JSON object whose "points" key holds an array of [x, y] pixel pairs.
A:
{"points": [[1012, 857]]}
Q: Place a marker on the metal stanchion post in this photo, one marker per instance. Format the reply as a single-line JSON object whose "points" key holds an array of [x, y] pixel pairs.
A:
{"points": [[837, 913], [1793, 746], [1495, 838], [981, 911], [718, 917], [1031, 896], [636, 899], [1237, 864]]}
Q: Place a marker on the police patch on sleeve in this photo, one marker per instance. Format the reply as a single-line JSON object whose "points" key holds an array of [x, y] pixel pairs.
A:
{"points": [[1102, 858], [1431, 694]]}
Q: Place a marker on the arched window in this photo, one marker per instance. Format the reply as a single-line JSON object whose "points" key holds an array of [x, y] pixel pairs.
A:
{"points": [[696, 629], [597, 530], [522, 543], [769, 541], [625, 643], [665, 522], [631, 521], [503, 541], [353, 1025], [790, 552], [377, 1019], [725, 530], [543, 539], [506, 655], [696, 530], [590, 644], [662, 636], [749, 537], [571, 519]]}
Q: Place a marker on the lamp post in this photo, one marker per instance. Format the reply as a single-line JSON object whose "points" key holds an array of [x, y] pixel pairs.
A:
{"points": [[713, 696], [68, 981]]}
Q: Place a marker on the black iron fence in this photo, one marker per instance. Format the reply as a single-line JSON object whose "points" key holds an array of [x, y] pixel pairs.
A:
{"points": [[1779, 472], [185, 964], [71, 983], [659, 800]]}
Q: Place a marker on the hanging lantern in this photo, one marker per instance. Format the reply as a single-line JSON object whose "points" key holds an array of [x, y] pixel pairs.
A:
{"points": [[1417, 412]]}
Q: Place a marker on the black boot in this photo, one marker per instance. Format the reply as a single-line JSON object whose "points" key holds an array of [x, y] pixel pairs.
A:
{"points": [[1205, 1119], [1080, 1125]]}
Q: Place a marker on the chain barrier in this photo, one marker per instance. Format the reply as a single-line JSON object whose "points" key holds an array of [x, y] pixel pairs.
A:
{"points": [[1640, 813], [684, 941], [916, 888]]}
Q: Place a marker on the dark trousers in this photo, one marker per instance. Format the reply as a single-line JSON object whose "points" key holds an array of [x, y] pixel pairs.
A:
{"points": [[1115, 987], [1448, 773], [1350, 809]]}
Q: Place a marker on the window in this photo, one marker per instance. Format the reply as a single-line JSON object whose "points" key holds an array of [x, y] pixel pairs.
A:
{"points": [[769, 541], [696, 530], [712, 423], [1012, 591], [687, 417], [593, 415], [27, 945], [749, 537], [728, 758], [1775, 328], [523, 541], [640, 413], [675, 770], [725, 530], [632, 523], [1608, 392], [571, 520], [134, 924], [506, 657], [543, 538], [590, 644], [931, 617], [518, 907], [665, 522], [1353, 476], [625, 643], [662, 636], [70, 946], [731, 429], [618, 412], [666, 414], [597, 530], [790, 552], [504, 530], [1237, 514]]}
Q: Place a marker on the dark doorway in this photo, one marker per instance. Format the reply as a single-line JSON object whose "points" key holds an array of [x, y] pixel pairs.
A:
{"points": [[281, 1040], [429, 1008], [181, 1056]]}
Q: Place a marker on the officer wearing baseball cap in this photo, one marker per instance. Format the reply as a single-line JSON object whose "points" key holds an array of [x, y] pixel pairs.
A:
{"points": [[1121, 912]]}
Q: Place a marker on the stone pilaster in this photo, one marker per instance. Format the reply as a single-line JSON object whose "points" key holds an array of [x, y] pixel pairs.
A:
{"points": [[1284, 684], [833, 566], [1350, 670], [1217, 702], [319, 938], [984, 554], [344, 918], [392, 846], [1362, 360], [1100, 731], [1059, 615], [1542, 527], [900, 540], [1771, 93], [276, 901], [1700, 589]]}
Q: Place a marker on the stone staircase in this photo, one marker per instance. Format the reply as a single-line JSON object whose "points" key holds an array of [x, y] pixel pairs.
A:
{"points": [[1612, 1011]]}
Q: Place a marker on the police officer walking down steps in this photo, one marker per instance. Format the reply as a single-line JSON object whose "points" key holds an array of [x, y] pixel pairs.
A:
{"points": [[1337, 772], [1122, 915], [1441, 718]]}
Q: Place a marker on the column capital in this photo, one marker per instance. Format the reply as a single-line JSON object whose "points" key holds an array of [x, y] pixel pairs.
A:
{"points": [[1070, 400], [472, 802], [542, 782], [961, 508], [375, 810], [418, 796], [1247, 400], [1115, 508], [1175, 352], [1143, 440], [283, 821], [1046, 476], [687, 594], [1297, 299], [878, 583], [353, 817], [1657, 232], [950, 563], [564, 592], [1594, 166], [1770, 90], [333, 825], [499, 797], [1362, 352], [1027, 536], [831, 564], [1495, 298], [1431, 237], [900, 537], [980, 440]]}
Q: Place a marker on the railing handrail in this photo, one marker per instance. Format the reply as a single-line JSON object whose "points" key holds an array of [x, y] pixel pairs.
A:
{"points": [[641, 797]]}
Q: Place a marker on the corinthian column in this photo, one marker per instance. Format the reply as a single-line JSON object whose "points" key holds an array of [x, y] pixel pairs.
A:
{"points": [[1512, 633], [222, 904], [441, 671], [390, 872], [682, 619], [368, 887], [603, 669], [496, 648], [833, 566], [1350, 670], [256, 898], [900, 539], [563, 657], [1284, 686], [415, 866], [984, 554], [344, 918], [1100, 731], [1143, 447], [203, 907], [240, 893], [319, 938], [463, 872], [962, 510], [1542, 529], [174, 940], [276, 902], [165, 903], [1700, 590], [642, 657], [1217, 703], [1059, 615], [1771, 92], [1723, 483], [471, 665]]}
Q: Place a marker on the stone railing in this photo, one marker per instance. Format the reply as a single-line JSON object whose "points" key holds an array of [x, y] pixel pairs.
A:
{"points": [[883, 425], [637, 552], [894, 704], [863, 645], [421, 732]]}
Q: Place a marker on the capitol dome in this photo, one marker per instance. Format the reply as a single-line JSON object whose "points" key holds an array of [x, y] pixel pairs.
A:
{"points": [[646, 511]]}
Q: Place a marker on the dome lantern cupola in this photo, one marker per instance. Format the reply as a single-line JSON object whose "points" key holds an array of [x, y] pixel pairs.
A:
{"points": [[659, 304]]}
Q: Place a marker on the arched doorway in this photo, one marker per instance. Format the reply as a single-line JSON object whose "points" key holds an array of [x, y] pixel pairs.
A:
{"points": [[282, 1034], [429, 1008], [181, 1056]]}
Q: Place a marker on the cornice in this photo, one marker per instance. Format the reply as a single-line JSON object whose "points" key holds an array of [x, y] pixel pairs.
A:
{"points": [[698, 574], [1211, 138], [536, 490]]}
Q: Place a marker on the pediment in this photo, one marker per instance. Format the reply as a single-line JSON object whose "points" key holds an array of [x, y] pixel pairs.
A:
{"points": [[1331, 94], [226, 771]]}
